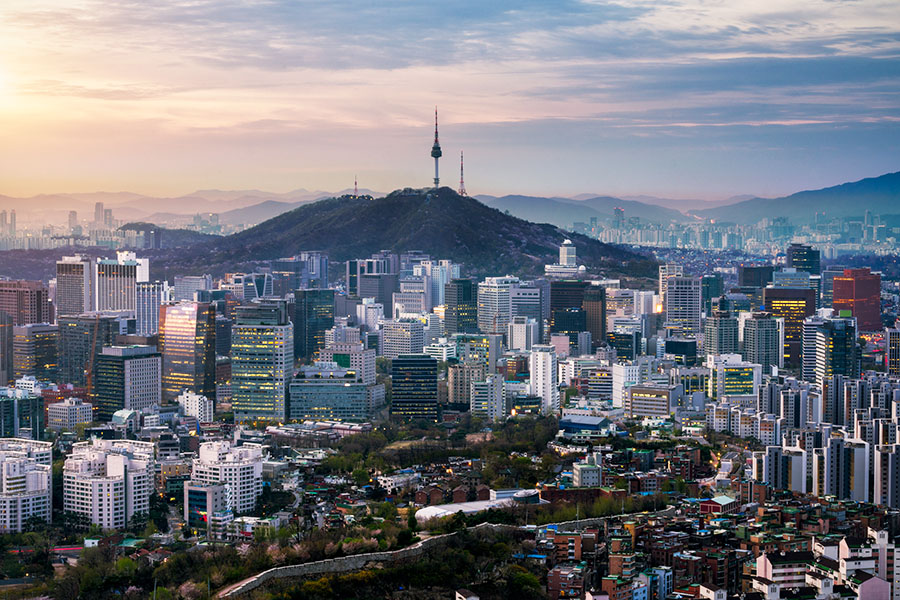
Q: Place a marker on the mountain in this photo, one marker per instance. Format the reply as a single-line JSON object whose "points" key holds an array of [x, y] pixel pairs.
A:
{"points": [[562, 212], [880, 195], [441, 223], [172, 238], [257, 213]]}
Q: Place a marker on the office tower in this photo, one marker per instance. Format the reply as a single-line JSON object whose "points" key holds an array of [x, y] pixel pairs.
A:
{"points": [[461, 313], [647, 400], [730, 375], [149, 296], [567, 293], [313, 316], [414, 298], [98, 213], [21, 414], [223, 335], [250, 286], [109, 481], [791, 277], [544, 383], [262, 361], [859, 291], [522, 334], [25, 301], [354, 356], [493, 303], [68, 414], [570, 322], [526, 300], [626, 342], [81, 339], [763, 343], [793, 305], [127, 377], [35, 351], [116, 281], [595, 312], [720, 334], [665, 272], [25, 491], [402, 337], [74, 285], [682, 302], [414, 387], [307, 270], [488, 401], [804, 258], [460, 377], [828, 275], [711, 286], [892, 351], [755, 276], [187, 341], [381, 287], [186, 286], [836, 348], [327, 391], [7, 351], [73, 219], [618, 217], [484, 348], [237, 468]]}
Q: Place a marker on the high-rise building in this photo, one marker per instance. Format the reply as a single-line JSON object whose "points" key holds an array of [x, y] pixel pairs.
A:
{"points": [[730, 375], [892, 351], [544, 383], [25, 301], [198, 406], [149, 296], [74, 285], [127, 377], [98, 213], [186, 286], [526, 300], [711, 287], [21, 414], [755, 276], [682, 302], [313, 316], [567, 293], [187, 341], [414, 388], [484, 348], [116, 281], [595, 312], [493, 303], [327, 391], [262, 361], [35, 351], [25, 491], [859, 291], [307, 270], [793, 305], [720, 333], [522, 334], [804, 258], [665, 272], [828, 275], [109, 481], [836, 348], [402, 337], [354, 356], [237, 468], [460, 377], [68, 414], [487, 398], [461, 313], [82, 338], [763, 343], [7, 358]]}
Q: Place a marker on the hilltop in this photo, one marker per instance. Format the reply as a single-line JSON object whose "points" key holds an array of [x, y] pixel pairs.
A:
{"points": [[439, 222]]}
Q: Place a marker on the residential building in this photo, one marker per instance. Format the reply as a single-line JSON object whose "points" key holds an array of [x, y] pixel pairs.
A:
{"points": [[238, 468], [198, 406], [544, 382], [25, 490]]}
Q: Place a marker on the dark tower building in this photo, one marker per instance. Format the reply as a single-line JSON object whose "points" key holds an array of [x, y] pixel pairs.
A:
{"points": [[81, 340], [595, 312], [859, 291], [804, 258], [35, 352], [711, 286], [755, 276], [313, 316], [461, 303], [187, 340], [414, 390], [793, 305]]}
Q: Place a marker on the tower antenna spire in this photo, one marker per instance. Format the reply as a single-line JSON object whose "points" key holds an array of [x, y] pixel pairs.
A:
{"points": [[462, 181], [436, 151]]}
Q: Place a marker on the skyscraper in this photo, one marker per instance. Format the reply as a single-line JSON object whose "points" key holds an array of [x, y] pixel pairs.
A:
{"points": [[82, 338], [828, 275], [493, 303], [126, 377], [755, 276], [665, 271], [402, 337], [859, 291], [793, 305], [116, 281], [149, 296], [682, 302], [414, 387], [544, 382], [187, 341], [720, 334], [262, 361], [185, 286], [762, 342], [804, 258], [836, 348], [35, 351], [304, 271], [74, 285], [313, 316], [25, 301], [595, 312], [892, 351], [461, 313], [711, 286]]}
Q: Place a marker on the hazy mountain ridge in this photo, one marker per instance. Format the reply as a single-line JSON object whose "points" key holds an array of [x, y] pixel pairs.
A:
{"points": [[562, 212]]}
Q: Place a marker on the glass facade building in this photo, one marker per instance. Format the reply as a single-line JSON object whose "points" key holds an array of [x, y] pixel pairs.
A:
{"points": [[187, 340]]}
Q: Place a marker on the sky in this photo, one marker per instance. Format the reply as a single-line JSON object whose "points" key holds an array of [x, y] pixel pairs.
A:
{"points": [[676, 98]]}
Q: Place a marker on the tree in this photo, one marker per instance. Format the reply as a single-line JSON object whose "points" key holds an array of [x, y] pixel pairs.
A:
{"points": [[360, 477]]}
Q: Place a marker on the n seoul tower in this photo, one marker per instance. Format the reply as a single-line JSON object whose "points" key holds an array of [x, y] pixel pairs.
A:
{"points": [[436, 151]]}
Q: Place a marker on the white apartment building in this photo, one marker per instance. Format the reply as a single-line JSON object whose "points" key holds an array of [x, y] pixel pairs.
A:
{"points": [[42, 452], [25, 489], [239, 468], [66, 415], [543, 370], [488, 400], [522, 334], [109, 481], [402, 337], [198, 406]]}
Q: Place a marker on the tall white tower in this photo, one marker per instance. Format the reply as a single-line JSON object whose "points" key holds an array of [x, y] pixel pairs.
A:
{"points": [[436, 151]]}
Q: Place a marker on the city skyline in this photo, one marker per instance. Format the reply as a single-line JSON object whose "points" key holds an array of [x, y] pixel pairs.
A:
{"points": [[680, 100]]}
